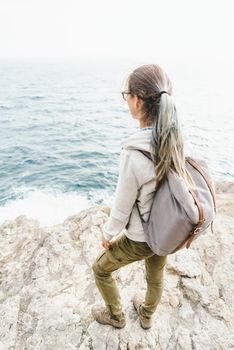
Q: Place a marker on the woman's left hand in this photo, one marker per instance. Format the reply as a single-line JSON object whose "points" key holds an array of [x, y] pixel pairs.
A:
{"points": [[105, 243]]}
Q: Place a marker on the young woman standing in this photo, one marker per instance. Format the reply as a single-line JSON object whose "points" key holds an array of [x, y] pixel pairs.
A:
{"points": [[148, 93]]}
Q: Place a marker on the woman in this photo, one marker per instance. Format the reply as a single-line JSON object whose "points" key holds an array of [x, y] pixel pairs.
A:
{"points": [[148, 93]]}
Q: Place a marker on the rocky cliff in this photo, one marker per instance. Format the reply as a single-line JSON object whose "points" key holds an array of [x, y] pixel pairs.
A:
{"points": [[47, 287]]}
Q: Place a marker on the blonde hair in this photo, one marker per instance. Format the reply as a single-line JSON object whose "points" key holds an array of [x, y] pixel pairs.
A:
{"points": [[159, 111]]}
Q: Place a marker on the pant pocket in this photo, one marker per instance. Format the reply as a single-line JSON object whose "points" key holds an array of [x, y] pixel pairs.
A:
{"points": [[120, 256], [100, 255], [139, 249], [108, 262], [120, 251]]}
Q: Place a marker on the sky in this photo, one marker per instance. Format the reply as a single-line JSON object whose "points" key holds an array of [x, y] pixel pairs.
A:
{"points": [[118, 29]]}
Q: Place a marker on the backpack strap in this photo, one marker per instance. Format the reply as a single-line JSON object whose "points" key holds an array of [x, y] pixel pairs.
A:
{"points": [[197, 166], [147, 154], [201, 219]]}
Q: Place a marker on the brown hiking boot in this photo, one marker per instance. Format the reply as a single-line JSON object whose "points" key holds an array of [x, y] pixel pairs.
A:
{"points": [[102, 315], [145, 321]]}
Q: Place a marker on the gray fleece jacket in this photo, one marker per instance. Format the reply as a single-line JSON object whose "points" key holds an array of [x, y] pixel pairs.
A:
{"points": [[136, 180]]}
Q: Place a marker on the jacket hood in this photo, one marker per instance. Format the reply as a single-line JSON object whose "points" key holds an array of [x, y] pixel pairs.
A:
{"points": [[141, 140], [138, 140]]}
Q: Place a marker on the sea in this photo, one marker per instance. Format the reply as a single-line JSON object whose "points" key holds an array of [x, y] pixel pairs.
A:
{"points": [[63, 119]]}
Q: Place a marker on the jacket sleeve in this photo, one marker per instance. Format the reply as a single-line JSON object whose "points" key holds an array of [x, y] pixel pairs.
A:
{"points": [[125, 196]]}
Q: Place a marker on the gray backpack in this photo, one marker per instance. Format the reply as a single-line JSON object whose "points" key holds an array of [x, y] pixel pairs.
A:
{"points": [[179, 216]]}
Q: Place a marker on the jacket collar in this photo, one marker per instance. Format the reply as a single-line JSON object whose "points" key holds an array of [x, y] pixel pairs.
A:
{"points": [[138, 140]]}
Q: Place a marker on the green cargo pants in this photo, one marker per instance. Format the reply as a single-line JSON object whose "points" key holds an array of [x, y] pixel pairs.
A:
{"points": [[124, 251]]}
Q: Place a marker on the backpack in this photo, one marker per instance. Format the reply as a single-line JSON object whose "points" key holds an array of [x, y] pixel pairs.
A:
{"points": [[178, 215]]}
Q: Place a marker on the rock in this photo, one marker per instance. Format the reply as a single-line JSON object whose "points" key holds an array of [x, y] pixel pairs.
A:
{"points": [[47, 287]]}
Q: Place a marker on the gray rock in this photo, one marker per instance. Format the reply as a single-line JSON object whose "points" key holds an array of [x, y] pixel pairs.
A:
{"points": [[47, 288]]}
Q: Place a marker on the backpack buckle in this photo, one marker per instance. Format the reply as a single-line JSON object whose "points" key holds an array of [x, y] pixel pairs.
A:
{"points": [[197, 230]]}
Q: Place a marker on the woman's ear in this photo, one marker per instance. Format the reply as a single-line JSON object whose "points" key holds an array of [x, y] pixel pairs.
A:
{"points": [[139, 103]]}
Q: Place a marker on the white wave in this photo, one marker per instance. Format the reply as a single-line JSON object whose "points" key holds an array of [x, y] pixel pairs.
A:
{"points": [[49, 208]]}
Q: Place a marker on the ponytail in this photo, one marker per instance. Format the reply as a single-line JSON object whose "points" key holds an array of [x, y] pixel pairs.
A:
{"points": [[168, 141]]}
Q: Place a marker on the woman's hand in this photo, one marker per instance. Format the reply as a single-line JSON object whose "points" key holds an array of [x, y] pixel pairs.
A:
{"points": [[106, 244]]}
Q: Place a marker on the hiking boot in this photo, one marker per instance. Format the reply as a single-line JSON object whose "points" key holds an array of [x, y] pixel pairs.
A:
{"points": [[102, 315], [145, 321]]}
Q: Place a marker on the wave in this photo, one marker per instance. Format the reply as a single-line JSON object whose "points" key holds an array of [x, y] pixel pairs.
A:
{"points": [[36, 97], [48, 207]]}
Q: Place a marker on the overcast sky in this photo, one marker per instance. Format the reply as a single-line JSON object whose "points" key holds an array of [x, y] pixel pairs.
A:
{"points": [[120, 28]]}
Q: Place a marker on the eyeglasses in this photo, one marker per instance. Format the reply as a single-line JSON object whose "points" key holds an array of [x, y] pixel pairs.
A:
{"points": [[124, 94]]}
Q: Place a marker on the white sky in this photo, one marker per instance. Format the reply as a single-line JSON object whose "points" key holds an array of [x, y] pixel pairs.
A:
{"points": [[120, 28]]}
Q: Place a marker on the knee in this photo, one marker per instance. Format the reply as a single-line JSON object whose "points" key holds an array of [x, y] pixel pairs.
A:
{"points": [[102, 266], [96, 264], [95, 268], [98, 269]]}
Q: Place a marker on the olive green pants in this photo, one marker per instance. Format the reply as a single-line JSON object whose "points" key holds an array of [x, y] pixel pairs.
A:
{"points": [[124, 251]]}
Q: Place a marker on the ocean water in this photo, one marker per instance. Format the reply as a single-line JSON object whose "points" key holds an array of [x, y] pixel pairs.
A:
{"points": [[62, 122]]}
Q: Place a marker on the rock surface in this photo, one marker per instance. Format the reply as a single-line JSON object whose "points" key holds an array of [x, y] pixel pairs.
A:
{"points": [[47, 287]]}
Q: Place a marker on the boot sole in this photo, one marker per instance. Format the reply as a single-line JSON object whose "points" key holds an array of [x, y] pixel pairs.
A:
{"points": [[111, 324]]}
